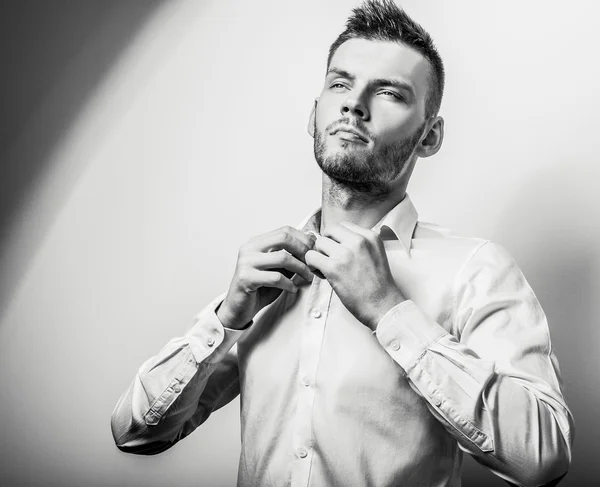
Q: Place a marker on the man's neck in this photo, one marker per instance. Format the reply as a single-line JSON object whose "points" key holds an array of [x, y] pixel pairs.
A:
{"points": [[340, 203]]}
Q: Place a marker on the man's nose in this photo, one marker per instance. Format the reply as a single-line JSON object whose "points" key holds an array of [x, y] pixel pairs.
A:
{"points": [[355, 106]]}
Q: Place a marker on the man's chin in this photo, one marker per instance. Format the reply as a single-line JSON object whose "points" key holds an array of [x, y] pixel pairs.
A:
{"points": [[339, 171]]}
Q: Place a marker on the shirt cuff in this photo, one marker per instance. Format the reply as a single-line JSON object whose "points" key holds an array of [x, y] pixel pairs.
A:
{"points": [[209, 338], [406, 333]]}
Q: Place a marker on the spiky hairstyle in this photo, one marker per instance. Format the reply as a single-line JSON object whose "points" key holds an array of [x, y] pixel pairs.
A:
{"points": [[383, 20]]}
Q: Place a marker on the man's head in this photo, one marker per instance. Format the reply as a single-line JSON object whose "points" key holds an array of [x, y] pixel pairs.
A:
{"points": [[378, 109], [383, 20]]}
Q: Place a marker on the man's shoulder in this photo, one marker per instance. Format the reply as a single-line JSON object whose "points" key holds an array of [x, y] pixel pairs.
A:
{"points": [[445, 243], [434, 235]]}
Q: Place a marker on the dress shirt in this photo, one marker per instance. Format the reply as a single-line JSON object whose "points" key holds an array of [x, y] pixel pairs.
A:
{"points": [[465, 364]]}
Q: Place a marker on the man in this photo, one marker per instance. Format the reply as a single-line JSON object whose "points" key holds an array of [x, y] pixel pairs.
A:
{"points": [[368, 348]]}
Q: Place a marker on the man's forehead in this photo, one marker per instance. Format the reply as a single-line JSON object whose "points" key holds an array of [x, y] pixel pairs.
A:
{"points": [[372, 59]]}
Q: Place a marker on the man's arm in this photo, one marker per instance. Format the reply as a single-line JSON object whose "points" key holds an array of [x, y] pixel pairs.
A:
{"points": [[495, 386], [175, 391]]}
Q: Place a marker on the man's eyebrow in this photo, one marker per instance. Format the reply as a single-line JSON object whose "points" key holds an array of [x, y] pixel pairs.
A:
{"points": [[341, 72], [396, 83]]}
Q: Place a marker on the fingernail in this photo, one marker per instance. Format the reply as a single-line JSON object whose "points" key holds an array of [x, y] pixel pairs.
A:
{"points": [[312, 236]]}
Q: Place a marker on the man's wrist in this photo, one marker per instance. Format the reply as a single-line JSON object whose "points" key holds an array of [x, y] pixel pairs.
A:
{"points": [[391, 300], [227, 319]]}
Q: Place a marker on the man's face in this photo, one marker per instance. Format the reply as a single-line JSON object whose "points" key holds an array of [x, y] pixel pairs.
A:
{"points": [[371, 113]]}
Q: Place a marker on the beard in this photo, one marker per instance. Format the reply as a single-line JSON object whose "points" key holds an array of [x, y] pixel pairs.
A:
{"points": [[365, 173]]}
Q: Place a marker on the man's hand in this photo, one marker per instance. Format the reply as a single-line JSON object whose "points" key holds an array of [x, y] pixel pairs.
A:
{"points": [[354, 262], [264, 267]]}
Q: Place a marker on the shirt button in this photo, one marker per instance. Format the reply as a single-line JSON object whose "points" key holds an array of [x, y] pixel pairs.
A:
{"points": [[176, 388], [210, 341], [437, 400], [306, 381], [395, 346], [302, 453], [316, 313]]}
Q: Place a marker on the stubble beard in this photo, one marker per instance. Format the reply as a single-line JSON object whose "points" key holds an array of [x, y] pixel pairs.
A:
{"points": [[366, 174]]}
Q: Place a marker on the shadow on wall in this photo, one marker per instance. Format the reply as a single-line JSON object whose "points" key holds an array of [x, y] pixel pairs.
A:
{"points": [[55, 55], [552, 231]]}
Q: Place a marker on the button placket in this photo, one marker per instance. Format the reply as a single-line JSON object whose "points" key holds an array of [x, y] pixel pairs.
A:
{"points": [[313, 328]]}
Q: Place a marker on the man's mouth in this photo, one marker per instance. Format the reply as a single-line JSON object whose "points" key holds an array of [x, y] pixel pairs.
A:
{"points": [[350, 134]]}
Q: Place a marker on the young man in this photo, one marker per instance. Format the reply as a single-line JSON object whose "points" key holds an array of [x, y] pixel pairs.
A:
{"points": [[368, 348]]}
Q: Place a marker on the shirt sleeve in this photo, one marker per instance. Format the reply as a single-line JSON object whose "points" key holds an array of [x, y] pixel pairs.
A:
{"points": [[176, 390], [496, 385]]}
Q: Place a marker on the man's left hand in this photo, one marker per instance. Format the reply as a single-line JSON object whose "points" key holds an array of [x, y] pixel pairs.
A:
{"points": [[354, 262]]}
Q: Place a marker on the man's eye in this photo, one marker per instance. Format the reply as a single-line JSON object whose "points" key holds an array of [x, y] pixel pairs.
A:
{"points": [[392, 94], [337, 86]]}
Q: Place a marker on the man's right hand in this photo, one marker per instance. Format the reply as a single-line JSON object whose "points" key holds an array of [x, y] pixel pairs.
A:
{"points": [[264, 269]]}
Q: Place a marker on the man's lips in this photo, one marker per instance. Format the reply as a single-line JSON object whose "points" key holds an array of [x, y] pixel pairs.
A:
{"points": [[351, 133]]}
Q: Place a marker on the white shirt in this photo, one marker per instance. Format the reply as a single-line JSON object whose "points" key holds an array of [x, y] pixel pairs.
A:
{"points": [[465, 364]]}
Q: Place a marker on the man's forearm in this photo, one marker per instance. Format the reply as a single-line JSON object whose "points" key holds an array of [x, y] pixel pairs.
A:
{"points": [[144, 420], [492, 382]]}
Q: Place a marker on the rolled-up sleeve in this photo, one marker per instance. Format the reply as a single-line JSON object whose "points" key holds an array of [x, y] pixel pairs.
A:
{"points": [[494, 383], [176, 390]]}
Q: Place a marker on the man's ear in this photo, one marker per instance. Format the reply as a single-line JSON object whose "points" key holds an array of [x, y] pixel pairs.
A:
{"points": [[433, 139], [311, 119]]}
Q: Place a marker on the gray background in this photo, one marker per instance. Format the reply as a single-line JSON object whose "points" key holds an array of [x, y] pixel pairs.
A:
{"points": [[142, 142]]}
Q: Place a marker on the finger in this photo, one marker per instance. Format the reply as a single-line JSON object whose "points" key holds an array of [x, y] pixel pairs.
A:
{"points": [[273, 279], [327, 246], [282, 260], [318, 262], [367, 235], [343, 234], [291, 239], [286, 232]]}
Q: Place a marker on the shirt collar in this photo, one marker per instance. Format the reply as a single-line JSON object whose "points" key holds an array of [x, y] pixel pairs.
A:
{"points": [[398, 224]]}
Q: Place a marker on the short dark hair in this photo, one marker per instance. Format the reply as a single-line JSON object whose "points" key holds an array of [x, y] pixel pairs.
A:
{"points": [[383, 20]]}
